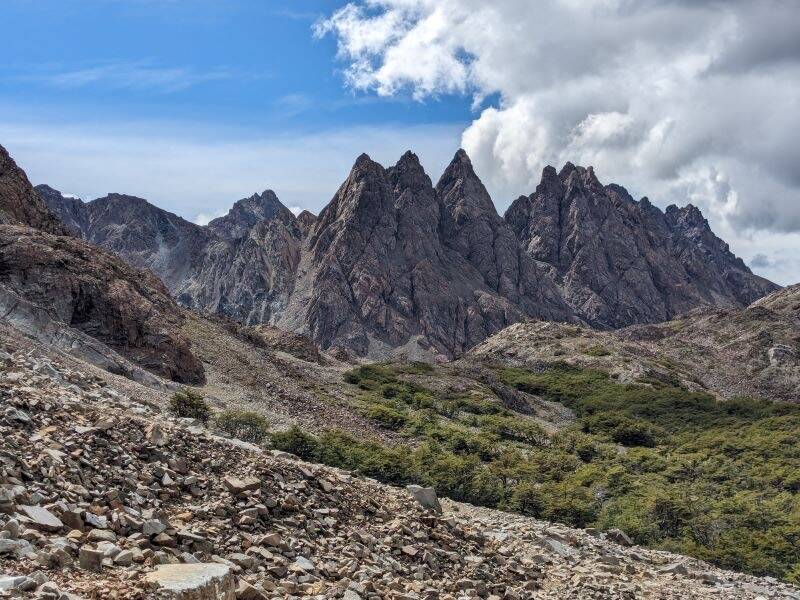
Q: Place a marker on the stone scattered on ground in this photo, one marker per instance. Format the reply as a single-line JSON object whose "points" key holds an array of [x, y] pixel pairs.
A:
{"points": [[102, 497]]}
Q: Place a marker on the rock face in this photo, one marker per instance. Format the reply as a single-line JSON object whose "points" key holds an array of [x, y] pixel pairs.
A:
{"points": [[87, 301], [19, 203], [622, 262], [394, 266], [381, 274]]}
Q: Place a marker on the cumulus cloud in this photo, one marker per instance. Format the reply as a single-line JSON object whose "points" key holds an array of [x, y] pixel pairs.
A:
{"points": [[678, 100], [206, 218]]}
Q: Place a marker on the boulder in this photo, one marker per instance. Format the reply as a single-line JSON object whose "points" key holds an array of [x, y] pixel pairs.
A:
{"points": [[426, 497], [42, 519], [202, 581]]}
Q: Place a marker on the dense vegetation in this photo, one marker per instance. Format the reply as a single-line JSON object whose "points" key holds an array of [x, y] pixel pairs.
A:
{"points": [[674, 469]]}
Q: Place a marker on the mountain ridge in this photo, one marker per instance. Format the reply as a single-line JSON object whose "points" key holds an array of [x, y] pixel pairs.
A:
{"points": [[395, 266]]}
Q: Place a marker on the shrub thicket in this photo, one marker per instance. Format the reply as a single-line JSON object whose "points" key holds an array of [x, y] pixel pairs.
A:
{"points": [[675, 469]]}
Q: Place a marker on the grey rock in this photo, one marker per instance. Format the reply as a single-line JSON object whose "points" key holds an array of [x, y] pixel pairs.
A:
{"points": [[619, 537], [16, 582], [204, 581], [90, 559], [426, 497], [41, 518]]}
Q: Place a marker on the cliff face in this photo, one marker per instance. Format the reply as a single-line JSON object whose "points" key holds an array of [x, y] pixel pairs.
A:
{"points": [[62, 289], [396, 266], [622, 262], [383, 275], [19, 203]]}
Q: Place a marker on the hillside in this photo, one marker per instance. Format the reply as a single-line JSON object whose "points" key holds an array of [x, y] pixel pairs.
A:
{"points": [[752, 352], [72, 295], [104, 497]]}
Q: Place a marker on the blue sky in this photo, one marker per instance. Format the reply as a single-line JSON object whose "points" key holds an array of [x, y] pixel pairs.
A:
{"points": [[231, 79], [193, 104]]}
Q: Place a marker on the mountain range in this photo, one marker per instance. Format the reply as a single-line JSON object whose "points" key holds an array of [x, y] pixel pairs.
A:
{"points": [[394, 266]]}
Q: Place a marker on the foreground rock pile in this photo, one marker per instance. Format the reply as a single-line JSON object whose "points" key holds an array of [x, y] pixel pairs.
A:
{"points": [[101, 497]]}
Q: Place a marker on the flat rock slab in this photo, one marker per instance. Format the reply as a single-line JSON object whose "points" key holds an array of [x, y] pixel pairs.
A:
{"points": [[239, 486], [202, 581], [42, 519]]}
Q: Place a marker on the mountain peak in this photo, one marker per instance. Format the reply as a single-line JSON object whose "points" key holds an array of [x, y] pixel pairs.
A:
{"points": [[245, 213]]}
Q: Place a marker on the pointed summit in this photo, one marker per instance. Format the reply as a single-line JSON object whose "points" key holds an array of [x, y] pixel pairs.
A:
{"points": [[245, 213], [461, 189], [409, 161]]}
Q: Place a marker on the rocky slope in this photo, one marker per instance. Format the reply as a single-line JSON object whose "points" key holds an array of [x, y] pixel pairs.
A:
{"points": [[622, 262], [68, 293], [732, 352], [19, 203], [102, 497], [395, 267]]}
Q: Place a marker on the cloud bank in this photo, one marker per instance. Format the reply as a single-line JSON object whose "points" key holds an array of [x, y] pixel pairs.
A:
{"points": [[684, 101]]}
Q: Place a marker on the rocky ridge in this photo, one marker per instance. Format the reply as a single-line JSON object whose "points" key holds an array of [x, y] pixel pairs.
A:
{"points": [[621, 262], [394, 267], [102, 497], [731, 352], [65, 292]]}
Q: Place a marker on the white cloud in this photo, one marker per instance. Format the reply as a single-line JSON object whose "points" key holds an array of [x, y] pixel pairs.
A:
{"points": [[206, 218], [681, 101], [137, 75], [296, 210]]}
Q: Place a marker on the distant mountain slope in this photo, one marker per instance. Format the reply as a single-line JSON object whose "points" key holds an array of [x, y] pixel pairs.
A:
{"points": [[74, 296], [394, 266], [732, 352], [622, 262]]}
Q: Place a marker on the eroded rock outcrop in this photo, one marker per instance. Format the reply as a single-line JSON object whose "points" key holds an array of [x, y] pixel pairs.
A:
{"points": [[621, 261], [62, 290]]}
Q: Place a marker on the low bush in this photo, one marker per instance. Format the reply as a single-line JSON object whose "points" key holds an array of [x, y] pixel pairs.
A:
{"points": [[244, 425], [387, 417], [188, 403]]}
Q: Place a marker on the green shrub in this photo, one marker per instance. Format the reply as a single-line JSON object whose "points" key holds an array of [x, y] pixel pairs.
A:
{"points": [[388, 417], [296, 441], [597, 350], [622, 429], [528, 500], [190, 404], [244, 425]]}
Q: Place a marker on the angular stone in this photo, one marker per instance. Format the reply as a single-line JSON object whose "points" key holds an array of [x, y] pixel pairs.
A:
{"points": [[90, 559], [42, 518], [620, 537], [202, 581], [18, 548], [239, 486], [16, 582], [245, 591], [426, 497], [678, 568]]}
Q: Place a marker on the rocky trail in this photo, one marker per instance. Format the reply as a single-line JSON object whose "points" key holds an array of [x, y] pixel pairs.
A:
{"points": [[102, 496]]}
